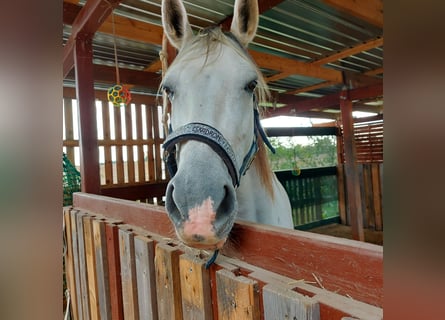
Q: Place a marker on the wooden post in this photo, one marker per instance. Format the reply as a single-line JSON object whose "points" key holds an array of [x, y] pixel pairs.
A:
{"points": [[89, 152], [238, 297], [351, 175], [195, 288]]}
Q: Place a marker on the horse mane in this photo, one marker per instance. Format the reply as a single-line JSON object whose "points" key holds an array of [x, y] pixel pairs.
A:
{"points": [[211, 39]]}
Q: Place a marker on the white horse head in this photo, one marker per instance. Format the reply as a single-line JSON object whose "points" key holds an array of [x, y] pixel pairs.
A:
{"points": [[215, 132]]}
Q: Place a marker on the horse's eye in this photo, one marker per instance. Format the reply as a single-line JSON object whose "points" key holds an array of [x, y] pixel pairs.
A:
{"points": [[168, 91], [251, 85]]}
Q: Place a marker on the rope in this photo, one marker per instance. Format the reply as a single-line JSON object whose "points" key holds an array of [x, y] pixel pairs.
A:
{"points": [[115, 50], [163, 57]]}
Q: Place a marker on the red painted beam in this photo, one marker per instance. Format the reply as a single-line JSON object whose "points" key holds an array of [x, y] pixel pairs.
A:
{"points": [[349, 267], [328, 101], [87, 21], [89, 153], [351, 174]]}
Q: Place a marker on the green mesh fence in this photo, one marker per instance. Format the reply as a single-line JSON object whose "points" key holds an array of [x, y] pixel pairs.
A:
{"points": [[71, 181]]}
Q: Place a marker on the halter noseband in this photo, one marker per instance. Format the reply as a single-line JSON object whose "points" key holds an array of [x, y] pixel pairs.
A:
{"points": [[214, 139]]}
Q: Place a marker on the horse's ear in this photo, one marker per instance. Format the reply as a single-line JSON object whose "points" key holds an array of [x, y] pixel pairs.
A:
{"points": [[175, 22], [245, 20]]}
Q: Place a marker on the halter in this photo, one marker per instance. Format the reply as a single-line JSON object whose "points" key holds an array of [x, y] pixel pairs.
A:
{"points": [[213, 138]]}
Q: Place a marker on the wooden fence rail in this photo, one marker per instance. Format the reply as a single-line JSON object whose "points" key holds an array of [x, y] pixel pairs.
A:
{"points": [[370, 178], [122, 262], [309, 191]]}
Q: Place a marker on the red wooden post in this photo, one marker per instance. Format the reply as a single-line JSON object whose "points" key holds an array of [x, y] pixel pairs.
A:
{"points": [[89, 152], [351, 174]]}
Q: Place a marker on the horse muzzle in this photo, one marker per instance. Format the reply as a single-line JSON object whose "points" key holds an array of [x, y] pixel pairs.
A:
{"points": [[202, 212]]}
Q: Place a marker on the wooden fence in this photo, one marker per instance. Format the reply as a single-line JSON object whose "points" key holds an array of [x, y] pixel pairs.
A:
{"points": [[370, 178], [309, 191], [368, 138], [130, 146], [122, 262]]}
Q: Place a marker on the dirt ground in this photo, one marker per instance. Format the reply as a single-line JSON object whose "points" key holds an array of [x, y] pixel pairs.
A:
{"points": [[342, 231]]}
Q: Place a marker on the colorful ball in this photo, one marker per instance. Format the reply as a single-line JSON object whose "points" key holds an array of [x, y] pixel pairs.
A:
{"points": [[119, 95]]}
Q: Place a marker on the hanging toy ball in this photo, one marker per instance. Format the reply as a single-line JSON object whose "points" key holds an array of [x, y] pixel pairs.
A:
{"points": [[119, 95]]}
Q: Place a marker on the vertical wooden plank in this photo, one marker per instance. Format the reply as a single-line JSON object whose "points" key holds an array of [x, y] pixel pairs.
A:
{"points": [[146, 278], [367, 181], [139, 136], [114, 271], [377, 196], [351, 176], [76, 260], [151, 144], [69, 132], [168, 282], [238, 297], [157, 143], [282, 303], [107, 143], [129, 142], [100, 249], [341, 194], [89, 151], [82, 266], [91, 267], [118, 135], [361, 173], [69, 263], [128, 274], [318, 199], [195, 288]]}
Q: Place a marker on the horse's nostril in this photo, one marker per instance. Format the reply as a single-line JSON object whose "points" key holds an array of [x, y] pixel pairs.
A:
{"points": [[198, 238]]}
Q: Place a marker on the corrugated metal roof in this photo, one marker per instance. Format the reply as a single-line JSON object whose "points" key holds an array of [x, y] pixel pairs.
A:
{"points": [[300, 30]]}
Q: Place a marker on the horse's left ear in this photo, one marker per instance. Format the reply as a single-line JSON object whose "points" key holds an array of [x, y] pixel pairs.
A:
{"points": [[245, 20], [175, 23]]}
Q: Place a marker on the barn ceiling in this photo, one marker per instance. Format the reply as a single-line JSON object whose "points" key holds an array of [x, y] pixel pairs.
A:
{"points": [[306, 49]]}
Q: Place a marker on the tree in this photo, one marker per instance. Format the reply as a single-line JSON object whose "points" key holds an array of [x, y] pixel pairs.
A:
{"points": [[321, 151]]}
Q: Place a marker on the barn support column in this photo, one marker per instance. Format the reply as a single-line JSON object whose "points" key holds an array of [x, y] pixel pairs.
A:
{"points": [[350, 167], [89, 152]]}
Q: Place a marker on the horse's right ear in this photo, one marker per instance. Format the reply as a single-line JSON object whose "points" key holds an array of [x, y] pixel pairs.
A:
{"points": [[175, 22]]}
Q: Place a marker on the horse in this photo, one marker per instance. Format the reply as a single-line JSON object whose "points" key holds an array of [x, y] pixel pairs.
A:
{"points": [[215, 135]]}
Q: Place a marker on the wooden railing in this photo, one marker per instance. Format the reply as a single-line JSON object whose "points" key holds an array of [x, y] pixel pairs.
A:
{"points": [[318, 195], [370, 180], [123, 262], [310, 191], [130, 146]]}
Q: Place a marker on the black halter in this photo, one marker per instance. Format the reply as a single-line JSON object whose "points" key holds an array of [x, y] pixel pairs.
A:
{"points": [[213, 138]]}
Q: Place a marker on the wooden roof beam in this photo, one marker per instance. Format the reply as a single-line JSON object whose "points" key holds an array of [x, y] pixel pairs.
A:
{"points": [[350, 51], [374, 72], [369, 10], [313, 87], [328, 101], [292, 66], [87, 21]]}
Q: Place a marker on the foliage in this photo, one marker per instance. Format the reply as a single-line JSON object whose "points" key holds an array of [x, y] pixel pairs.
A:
{"points": [[320, 152]]}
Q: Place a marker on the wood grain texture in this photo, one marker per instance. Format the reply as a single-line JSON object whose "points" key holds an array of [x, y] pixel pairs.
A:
{"points": [[91, 267], [195, 288], [146, 278], [168, 283], [114, 271], [69, 263], [238, 297], [82, 266], [100, 249], [281, 303], [76, 260], [128, 274]]}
